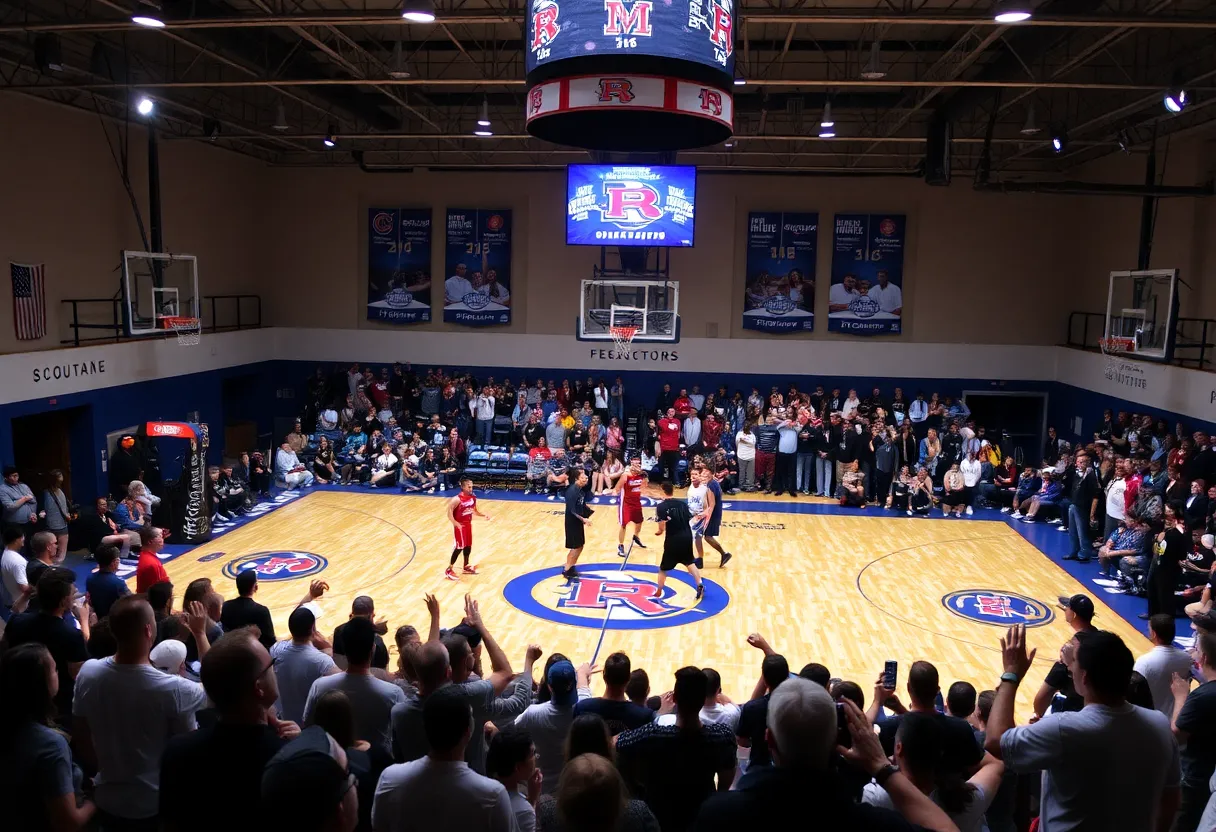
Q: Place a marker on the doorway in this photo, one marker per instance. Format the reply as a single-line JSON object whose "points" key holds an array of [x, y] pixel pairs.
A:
{"points": [[44, 442], [1018, 421]]}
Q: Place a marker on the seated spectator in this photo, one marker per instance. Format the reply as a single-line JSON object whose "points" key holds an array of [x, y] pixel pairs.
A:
{"points": [[126, 711], [548, 723], [104, 587], [308, 784], [385, 467], [243, 611], [224, 503], [259, 473], [558, 478], [511, 760], [1002, 490], [1134, 744], [236, 676], [139, 492], [1127, 541], [852, 489], [411, 476], [428, 471], [613, 707], [1028, 485], [373, 699], [100, 529], [290, 470], [336, 715], [325, 462], [954, 491], [538, 466], [130, 516], [448, 470], [150, 570], [1049, 495], [441, 787], [37, 775], [638, 689], [921, 499], [901, 490], [672, 767], [604, 480]]}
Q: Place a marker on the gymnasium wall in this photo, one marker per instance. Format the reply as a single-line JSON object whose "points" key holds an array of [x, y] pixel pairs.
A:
{"points": [[67, 208]]}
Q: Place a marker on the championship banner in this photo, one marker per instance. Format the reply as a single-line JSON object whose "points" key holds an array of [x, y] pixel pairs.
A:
{"points": [[399, 265], [779, 295], [477, 261], [866, 296]]}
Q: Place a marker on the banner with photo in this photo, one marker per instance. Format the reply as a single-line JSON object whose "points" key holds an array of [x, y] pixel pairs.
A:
{"points": [[866, 295], [779, 291], [399, 265], [477, 291]]}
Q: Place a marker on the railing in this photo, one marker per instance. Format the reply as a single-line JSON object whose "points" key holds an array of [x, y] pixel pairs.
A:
{"points": [[238, 311], [1193, 344]]}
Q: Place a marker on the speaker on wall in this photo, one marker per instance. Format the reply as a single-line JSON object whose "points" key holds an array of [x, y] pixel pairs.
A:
{"points": [[937, 151]]}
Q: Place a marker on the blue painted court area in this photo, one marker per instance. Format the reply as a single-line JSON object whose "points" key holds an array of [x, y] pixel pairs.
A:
{"points": [[1048, 539]]}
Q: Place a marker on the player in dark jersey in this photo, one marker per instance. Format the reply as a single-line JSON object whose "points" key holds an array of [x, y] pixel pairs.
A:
{"points": [[673, 517], [713, 505], [578, 517]]}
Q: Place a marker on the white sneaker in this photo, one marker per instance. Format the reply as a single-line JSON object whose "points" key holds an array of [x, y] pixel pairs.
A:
{"points": [[909, 512], [1061, 529], [969, 511], [552, 497], [1005, 510], [1055, 521], [1017, 515]]}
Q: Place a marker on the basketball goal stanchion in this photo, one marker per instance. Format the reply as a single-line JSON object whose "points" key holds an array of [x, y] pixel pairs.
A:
{"points": [[188, 330], [622, 337]]}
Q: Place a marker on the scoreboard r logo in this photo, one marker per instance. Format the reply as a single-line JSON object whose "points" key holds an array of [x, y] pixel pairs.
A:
{"points": [[632, 21], [620, 89], [711, 101]]}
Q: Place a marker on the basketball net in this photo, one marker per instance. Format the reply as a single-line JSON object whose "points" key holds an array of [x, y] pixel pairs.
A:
{"points": [[1116, 351], [622, 336], [187, 330]]}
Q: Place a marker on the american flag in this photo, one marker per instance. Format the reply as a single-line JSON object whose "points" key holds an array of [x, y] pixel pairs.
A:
{"points": [[29, 301]]}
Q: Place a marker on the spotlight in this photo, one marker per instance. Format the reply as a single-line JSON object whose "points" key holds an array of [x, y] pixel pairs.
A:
{"points": [[826, 119], [1059, 140], [1031, 127], [419, 11], [873, 70], [827, 132], [148, 16], [484, 132], [484, 119], [48, 53], [397, 69], [1011, 11], [1176, 99], [739, 79], [145, 106], [331, 139], [280, 119], [728, 144]]}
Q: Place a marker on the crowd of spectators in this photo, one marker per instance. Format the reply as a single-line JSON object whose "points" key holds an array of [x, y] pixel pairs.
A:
{"points": [[150, 717]]}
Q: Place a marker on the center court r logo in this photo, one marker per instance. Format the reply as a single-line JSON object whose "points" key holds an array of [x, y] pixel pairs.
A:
{"points": [[595, 594], [990, 606]]}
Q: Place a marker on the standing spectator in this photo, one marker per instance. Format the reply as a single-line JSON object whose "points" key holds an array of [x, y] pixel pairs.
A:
{"points": [[373, 699], [482, 410], [959, 750], [1082, 509], [548, 723], [718, 709], [18, 506], [243, 611], [1194, 726], [37, 775], [669, 444], [1159, 665], [886, 463], [237, 676], [125, 465], [1134, 744], [745, 453], [440, 792], [15, 588], [785, 467], [614, 707], [971, 469], [150, 570], [126, 712], [104, 587], [774, 671], [362, 607], [616, 399], [298, 663], [308, 785], [767, 440], [511, 760], [57, 514], [56, 597]]}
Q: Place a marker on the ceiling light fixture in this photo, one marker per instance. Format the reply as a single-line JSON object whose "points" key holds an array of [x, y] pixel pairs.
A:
{"points": [[145, 106], [1011, 11], [1031, 127], [484, 119], [827, 132], [1059, 140], [397, 69], [419, 11], [48, 52], [1176, 98], [873, 70], [739, 79], [280, 119], [826, 120], [483, 132], [331, 137], [148, 16]]}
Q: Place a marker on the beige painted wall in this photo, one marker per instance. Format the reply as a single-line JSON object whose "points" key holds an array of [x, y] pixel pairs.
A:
{"points": [[980, 267], [66, 207]]}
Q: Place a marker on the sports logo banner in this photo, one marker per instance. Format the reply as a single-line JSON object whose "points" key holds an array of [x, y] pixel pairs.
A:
{"points": [[399, 265], [477, 262], [779, 291], [630, 205], [866, 296]]}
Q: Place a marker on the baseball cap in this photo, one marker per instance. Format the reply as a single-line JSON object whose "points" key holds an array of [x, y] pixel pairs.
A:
{"points": [[469, 632], [168, 656], [1080, 604], [305, 780], [562, 684]]}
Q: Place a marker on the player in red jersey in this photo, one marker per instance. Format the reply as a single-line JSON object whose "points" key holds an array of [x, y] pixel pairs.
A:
{"points": [[629, 503], [461, 509]]}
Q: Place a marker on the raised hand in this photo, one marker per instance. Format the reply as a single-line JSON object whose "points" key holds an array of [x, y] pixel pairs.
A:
{"points": [[472, 612], [432, 605], [534, 653], [1014, 657], [316, 589], [866, 752], [195, 615]]}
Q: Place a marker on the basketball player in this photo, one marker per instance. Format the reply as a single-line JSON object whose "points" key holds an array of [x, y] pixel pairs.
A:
{"points": [[461, 509], [578, 517], [673, 518], [629, 503], [713, 509], [698, 513]]}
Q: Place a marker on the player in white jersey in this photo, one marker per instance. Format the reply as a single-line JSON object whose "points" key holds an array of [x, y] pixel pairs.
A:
{"points": [[698, 508], [629, 503]]}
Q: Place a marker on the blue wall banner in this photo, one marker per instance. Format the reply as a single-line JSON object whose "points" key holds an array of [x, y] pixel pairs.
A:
{"points": [[866, 295], [477, 260], [779, 295], [399, 265]]}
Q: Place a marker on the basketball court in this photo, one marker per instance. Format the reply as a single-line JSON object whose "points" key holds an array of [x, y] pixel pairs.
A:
{"points": [[847, 590]]}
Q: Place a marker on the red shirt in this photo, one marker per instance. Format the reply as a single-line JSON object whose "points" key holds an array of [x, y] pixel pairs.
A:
{"points": [[711, 432], [379, 392], [541, 452], [683, 406], [631, 494], [464, 511], [669, 434], [149, 571]]}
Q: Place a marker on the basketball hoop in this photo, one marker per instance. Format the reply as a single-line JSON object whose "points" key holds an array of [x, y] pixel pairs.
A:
{"points": [[187, 330], [1116, 351], [622, 336]]}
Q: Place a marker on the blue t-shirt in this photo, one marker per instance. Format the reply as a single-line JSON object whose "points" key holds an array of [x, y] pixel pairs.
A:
{"points": [[37, 769], [715, 516], [104, 588]]}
